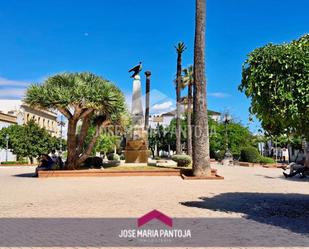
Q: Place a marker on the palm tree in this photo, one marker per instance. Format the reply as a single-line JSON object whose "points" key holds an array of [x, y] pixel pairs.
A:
{"points": [[201, 159], [180, 48], [188, 81]]}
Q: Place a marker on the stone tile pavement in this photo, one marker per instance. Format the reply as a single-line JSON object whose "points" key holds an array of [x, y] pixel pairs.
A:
{"points": [[267, 206]]}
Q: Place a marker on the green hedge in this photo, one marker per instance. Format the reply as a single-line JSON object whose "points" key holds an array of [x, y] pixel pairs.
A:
{"points": [[250, 155], [182, 160], [266, 160], [14, 162]]}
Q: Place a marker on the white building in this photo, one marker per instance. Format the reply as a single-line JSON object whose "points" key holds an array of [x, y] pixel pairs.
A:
{"points": [[166, 118], [5, 121], [24, 113], [17, 112]]}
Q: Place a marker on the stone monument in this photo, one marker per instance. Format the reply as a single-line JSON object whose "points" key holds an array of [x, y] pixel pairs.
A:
{"points": [[136, 150]]}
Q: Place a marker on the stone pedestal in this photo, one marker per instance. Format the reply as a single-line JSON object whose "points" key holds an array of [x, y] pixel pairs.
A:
{"points": [[136, 150]]}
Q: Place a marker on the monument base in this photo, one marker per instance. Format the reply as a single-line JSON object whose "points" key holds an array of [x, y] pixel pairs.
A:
{"points": [[136, 151]]}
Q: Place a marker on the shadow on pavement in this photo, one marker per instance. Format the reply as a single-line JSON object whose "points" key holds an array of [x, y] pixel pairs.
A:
{"points": [[25, 175], [288, 211]]}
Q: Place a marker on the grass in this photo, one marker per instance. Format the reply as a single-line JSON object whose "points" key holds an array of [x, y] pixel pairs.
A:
{"points": [[132, 168], [140, 168]]}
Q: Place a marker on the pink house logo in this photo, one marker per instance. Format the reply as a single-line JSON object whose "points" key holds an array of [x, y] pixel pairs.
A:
{"points": [[155, 214]]}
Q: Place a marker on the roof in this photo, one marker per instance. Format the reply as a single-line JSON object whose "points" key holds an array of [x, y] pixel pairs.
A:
{"points": [[9, 105], [171, 113], [8, 118], [210, 112]]}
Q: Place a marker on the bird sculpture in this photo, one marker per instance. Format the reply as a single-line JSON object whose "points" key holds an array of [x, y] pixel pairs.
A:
{"points": [[137, 69]]}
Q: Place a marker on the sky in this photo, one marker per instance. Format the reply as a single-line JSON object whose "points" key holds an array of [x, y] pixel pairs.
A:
{"points": [[42, 38]]}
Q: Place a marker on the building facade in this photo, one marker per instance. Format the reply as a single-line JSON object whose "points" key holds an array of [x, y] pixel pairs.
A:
{"points": [[5, 121], [166, 118], [24, 113]]}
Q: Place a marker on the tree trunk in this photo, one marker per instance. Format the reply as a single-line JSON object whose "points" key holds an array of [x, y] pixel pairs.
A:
{"points": [[71, 145], [91, 145], [189, 135], [157, 151], [201, 159], [307, 156], [83, 134], [178, 105]]}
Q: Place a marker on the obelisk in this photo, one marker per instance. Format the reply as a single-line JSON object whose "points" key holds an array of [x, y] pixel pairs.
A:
{"points": [[136, 150], [137, 105]]}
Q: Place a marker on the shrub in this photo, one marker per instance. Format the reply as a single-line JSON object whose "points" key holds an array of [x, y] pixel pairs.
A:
{"points": [[266, 160], [182, 160], [236, 156], [93, 162], [113, 157], [55, 167], [116, 157], [212, 153], [220, 155], [250, 155]]}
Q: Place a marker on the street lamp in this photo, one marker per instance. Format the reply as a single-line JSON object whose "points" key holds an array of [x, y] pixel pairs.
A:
{"points": [[228, 156], [7, 137]]}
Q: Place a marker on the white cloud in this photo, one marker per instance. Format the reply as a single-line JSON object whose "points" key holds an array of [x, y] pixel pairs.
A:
{"points": [[219, 95], [156, 98], [13, 83], [165, 106], [12, 89], [12, 93], [128, 99]]}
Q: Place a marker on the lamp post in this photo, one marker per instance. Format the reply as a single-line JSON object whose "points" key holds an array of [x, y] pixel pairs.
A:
{"points": [[228, 157], [7, 137]]}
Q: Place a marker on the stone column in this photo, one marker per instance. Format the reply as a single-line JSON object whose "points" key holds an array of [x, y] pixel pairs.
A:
{"points": [[137, 106], [148, 74]]}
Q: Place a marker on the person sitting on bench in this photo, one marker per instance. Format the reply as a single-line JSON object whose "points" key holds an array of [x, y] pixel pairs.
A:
{"points": [[300, 168], [46, 163]]}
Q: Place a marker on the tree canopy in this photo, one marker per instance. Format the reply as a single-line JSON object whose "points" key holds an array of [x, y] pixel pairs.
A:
{"points": [[28, 140], [276, 79], [81, 97], [239, 136]]}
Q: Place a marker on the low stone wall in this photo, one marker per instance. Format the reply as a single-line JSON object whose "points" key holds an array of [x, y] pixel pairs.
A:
{"points": [[270, 165], [108, 173]]}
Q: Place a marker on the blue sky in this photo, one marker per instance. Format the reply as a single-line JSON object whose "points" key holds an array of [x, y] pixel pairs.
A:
{"points": [[41, 38]]}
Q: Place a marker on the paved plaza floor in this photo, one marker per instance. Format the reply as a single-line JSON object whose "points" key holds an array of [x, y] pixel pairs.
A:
{"points": [[270, 210]]}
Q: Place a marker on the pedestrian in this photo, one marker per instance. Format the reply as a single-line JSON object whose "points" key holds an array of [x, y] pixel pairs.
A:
{"points": [[285, 155]]}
